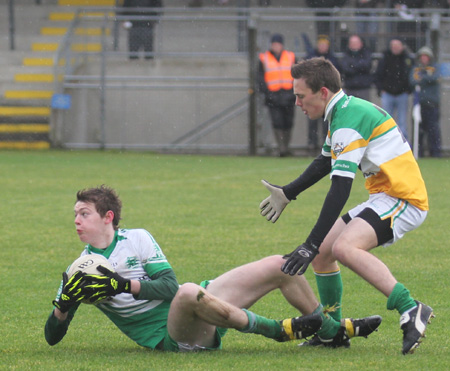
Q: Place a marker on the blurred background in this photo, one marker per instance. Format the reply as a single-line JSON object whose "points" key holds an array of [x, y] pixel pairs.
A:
{"points": [[70, 79]]}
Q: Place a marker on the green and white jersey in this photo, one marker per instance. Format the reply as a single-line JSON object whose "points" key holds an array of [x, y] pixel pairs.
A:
{"points": [[134, 254], [362, 135]]}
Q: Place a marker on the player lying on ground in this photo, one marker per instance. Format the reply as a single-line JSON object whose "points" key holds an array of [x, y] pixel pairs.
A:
{"points": [[148, 305], [361, 135]]}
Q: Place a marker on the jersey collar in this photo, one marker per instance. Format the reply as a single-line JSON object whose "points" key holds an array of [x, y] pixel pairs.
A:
{"points": [[334, 99], [108, 251]]}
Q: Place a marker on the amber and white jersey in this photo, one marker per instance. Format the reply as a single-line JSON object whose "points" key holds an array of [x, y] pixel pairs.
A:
{"points": [[362, 135]]}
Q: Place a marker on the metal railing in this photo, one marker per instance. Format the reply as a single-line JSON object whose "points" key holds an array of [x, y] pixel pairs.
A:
{"points": [[192, 50]]}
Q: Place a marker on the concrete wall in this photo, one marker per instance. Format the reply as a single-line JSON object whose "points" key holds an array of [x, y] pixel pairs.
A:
{"points": [[143, 115]]}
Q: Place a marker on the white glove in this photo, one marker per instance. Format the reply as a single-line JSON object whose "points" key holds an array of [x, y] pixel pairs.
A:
{"points": [[273, 206]]}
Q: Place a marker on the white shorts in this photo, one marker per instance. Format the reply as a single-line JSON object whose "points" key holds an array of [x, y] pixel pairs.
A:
{"points": [[404, 216]]}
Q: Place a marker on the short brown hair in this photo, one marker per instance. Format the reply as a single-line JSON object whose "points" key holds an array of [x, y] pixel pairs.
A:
{"points": [[318, 73], [104, 199]]}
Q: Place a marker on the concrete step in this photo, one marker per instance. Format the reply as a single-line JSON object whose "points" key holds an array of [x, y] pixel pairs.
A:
{"points": [[21, 95], [69, 16], [28, 128], [24, 144], [20, 111], [21, 115], [34, 77], [52, 47], [86, 2], [41, 61], [79, 31], [13, 86]]}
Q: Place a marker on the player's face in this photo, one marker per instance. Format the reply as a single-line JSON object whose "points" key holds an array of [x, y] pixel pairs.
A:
{"points": [[312, 104], [88, 222]]}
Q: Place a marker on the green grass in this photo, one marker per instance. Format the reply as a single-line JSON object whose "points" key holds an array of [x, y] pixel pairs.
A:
{"points": [[203, 211]]}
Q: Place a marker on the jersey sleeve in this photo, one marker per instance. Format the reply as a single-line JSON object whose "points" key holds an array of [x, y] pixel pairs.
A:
{"points": [[55, 330], [152, 256], [346, 152]]}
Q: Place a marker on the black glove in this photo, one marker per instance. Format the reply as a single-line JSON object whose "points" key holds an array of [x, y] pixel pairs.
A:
{"points": [[109, 284], [299, 259], [73, 291]]}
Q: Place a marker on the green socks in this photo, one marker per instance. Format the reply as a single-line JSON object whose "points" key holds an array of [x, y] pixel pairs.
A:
{"points": [[400, 299], [271, 328], [330, 291], [263, 326], [329, 327]]}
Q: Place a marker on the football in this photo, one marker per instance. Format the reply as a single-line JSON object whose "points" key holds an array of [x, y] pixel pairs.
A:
{"points": [[88, 264]]}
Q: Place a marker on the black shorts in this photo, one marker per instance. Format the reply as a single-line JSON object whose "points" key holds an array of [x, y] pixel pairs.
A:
{"points": [[382, 228]]}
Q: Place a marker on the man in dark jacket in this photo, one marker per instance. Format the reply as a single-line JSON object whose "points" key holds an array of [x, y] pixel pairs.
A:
{"points": [[324, 28], [426, 76], [141, 32], [392, 82], [356, 66], [411, 28], [322, 49]]}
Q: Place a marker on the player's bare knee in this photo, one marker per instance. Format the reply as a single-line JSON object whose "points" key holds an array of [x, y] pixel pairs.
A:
{"points": [[273, 262], [272, 265], [341, 251], [188, 292]]}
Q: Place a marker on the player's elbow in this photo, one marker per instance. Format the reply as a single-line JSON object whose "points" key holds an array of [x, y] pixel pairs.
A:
{"points": [[51, 340], [172, 289]]}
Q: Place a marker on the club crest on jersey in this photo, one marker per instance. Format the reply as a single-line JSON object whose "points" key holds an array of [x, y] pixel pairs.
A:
{"points": [[132, 261], [338, 148]]}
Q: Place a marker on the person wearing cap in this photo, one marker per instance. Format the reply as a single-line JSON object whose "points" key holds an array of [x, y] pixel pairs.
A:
{"points": [[392, 82], [425, 76], [275, 82]]}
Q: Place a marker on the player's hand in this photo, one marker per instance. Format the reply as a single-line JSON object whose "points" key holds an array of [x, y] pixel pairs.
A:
{"points": [[73, 291], [108, 284], [299, 259], [273, 206]]}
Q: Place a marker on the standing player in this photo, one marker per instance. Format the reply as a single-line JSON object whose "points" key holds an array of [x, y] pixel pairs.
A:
{"points": [[361, 135], [148, 305]]}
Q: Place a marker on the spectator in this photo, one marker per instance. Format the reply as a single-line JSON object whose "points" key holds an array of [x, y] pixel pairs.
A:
{"points": [[410, 29], [140, 32], [367, 26], [327, 27], [392, 82], [275, 82], [425, 75], [322, 49], [356, 66]]}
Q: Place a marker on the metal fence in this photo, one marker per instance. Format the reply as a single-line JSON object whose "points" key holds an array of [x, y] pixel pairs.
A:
{"points": [[196, 91]]}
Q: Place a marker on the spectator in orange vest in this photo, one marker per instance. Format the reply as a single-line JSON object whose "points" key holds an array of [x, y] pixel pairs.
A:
{"points": [[275, 82]]}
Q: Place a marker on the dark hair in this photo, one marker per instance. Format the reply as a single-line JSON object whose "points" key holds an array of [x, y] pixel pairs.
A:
{"points": [[317, 73], [104, 199]]}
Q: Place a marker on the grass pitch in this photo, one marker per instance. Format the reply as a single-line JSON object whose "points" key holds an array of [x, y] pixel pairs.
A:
{"points": [[203, 211]]}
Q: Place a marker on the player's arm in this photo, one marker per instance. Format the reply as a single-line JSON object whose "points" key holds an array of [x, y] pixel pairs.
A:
{"points": [[299, 259], [273, 206], [56, 328], [320, 167], [163, 286], [70, 294], [332, 207]]}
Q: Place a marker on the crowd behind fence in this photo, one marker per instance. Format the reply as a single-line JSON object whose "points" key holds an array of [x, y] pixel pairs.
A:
{"points": [[196, 92]]}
